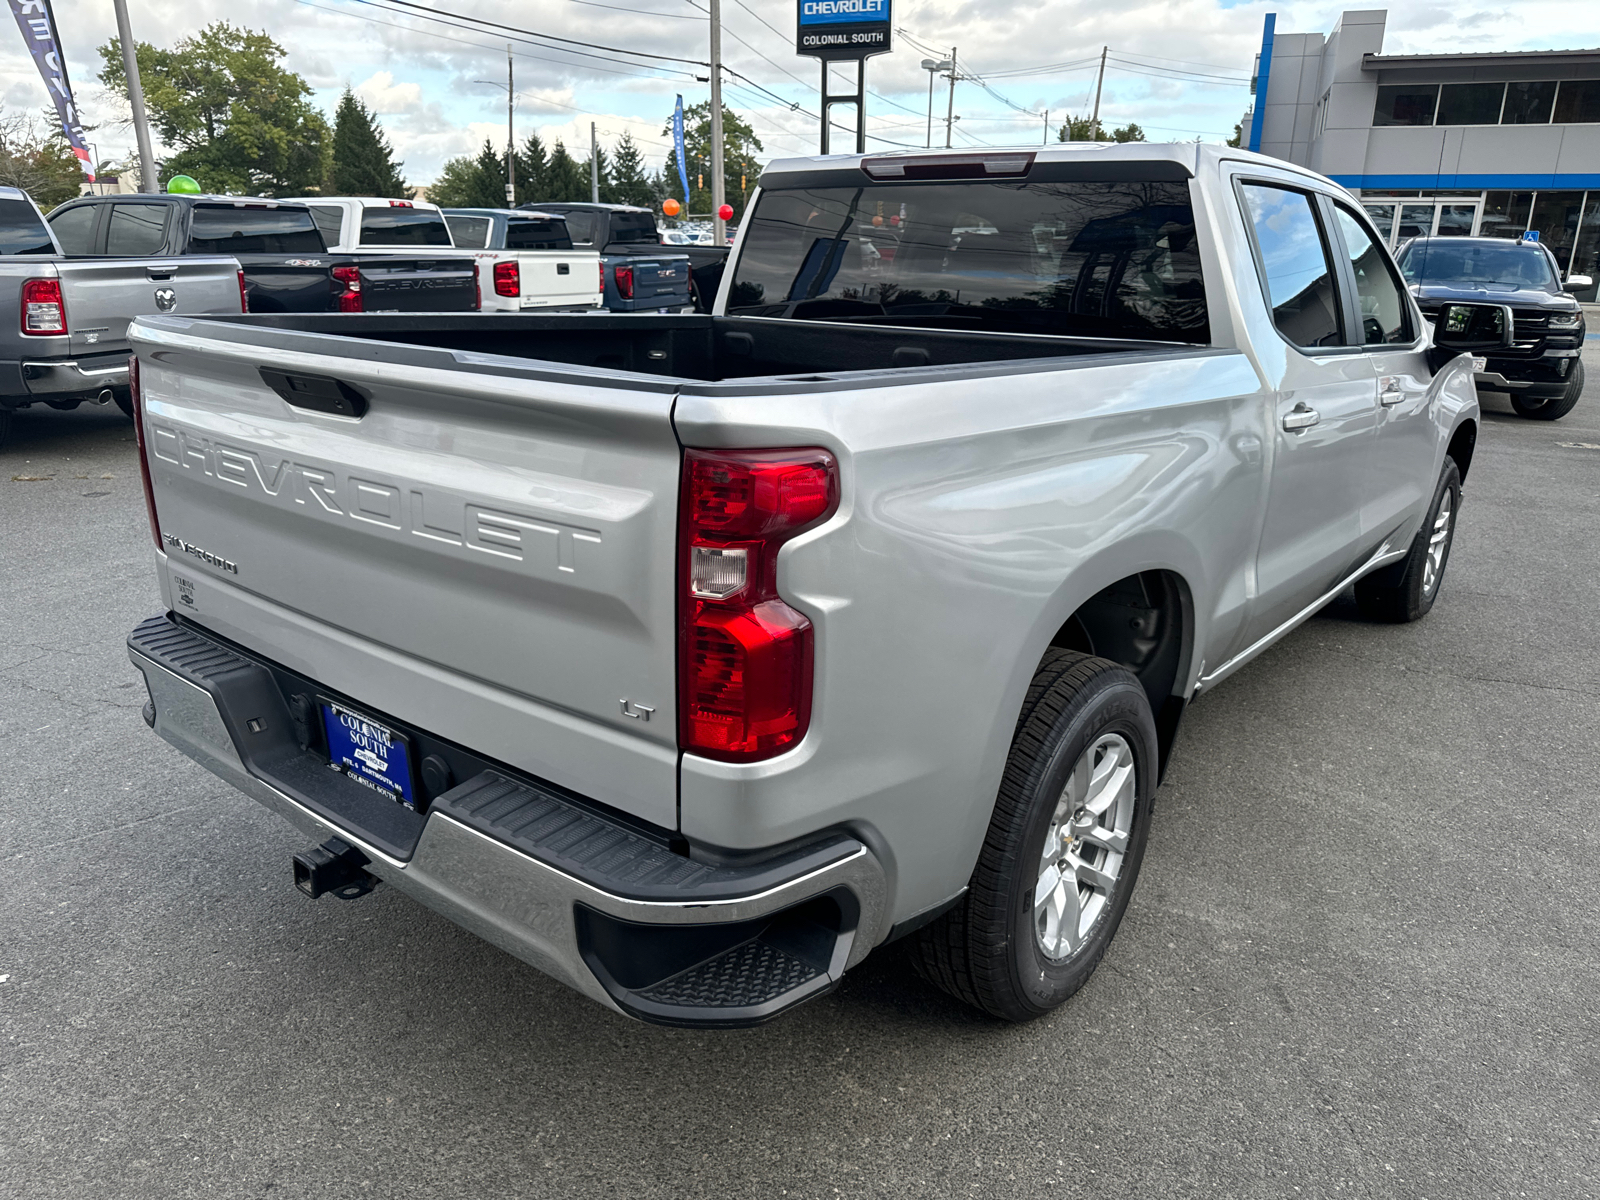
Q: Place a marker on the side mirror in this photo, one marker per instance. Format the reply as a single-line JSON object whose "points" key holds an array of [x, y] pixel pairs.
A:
{"points": [[1579, 282], [1469, 329]]}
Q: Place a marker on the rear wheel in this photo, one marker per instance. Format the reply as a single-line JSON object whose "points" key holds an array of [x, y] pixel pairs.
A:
{"points": [[1406, 590], [1554, 407], [1063, 849]]}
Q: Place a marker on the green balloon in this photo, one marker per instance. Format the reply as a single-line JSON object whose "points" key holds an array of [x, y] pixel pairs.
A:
{"points": [[183, 185]]}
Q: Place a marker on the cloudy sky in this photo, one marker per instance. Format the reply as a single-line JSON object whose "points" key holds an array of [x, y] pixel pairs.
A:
{"points": [[1179, 67]]}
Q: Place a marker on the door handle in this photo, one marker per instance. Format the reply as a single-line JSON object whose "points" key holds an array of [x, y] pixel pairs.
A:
{"points": [[1300, 417], [1390, 392]]}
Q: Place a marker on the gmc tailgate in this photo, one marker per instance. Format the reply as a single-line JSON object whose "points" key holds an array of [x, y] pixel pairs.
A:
{"points": [[478, 546]]}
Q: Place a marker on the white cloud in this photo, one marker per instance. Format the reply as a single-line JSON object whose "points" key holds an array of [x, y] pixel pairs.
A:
{"points": [[386, 97]]}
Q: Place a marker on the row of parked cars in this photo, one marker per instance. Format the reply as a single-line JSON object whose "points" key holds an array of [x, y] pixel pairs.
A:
{"points": [[96, 263]]}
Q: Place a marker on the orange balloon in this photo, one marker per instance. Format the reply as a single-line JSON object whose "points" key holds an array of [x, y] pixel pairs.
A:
{"points": [[671, 207]]}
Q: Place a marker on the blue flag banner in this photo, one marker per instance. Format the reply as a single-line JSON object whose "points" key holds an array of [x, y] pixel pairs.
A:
{"points": [[38, 25], [677, 145]]}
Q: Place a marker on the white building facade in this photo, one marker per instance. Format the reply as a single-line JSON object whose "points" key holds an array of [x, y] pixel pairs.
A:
{"points": [[1493, 144]]}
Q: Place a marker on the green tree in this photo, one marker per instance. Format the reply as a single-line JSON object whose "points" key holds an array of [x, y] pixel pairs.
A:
{"points": [[566, 179], [239, 122], [36, 157], [1237, 139], [472, 181], [533, 165], [740, 148], [629, 182], [1082, 129], [362, 162]]}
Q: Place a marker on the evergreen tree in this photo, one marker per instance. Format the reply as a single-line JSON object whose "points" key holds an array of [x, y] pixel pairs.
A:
{"points": [[607, 192], [629, 182], [471, 181], [567, 180], [533, 168], [1082, 129], [362, 162]]}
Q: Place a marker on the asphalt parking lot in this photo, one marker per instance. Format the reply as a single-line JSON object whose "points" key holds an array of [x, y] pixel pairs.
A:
{"points": [[1361, 960]]}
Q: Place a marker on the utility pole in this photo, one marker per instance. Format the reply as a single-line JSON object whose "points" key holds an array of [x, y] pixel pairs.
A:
{"points": [[141, 126], [594, 164], [719, 228], [511, 137], [950, 113], [1047, 127], [1100, 80]]}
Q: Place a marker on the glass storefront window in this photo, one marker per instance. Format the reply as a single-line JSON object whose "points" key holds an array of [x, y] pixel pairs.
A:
{"points": [[1505, 214], [1455, 220], [1382, 216], [1470, 103], [1586, 256], [1578, 101], [1528, 103], [1416, 220], [1555, 216], [1411, 104]]}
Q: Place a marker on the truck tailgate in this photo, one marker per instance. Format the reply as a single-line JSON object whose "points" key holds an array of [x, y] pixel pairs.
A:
{"points": [[660, 280], [556, 278], [391, 284], [103, 295], [487, 553]]}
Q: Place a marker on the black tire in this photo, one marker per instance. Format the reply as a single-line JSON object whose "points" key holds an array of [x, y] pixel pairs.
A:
{"points": [[987, 951], [5, 425], [124, 401], [1406, 590], [1555, 407]]}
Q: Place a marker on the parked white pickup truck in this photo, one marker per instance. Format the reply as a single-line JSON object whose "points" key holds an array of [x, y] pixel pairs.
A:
{"points": [[702, 654], [534, 265]]}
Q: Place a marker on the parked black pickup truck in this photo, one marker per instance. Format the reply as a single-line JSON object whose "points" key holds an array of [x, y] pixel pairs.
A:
{"points": [[1542, 370], [641, 274], [287, 265]]}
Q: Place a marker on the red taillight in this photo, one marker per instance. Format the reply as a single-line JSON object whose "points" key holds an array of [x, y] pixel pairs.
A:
{"points": [[144, 455], [244, 294], [401, 204], [477, 288], [624, 277], [43, 313], [348, 278], [507, 279], [602, 283], [744, 656]]}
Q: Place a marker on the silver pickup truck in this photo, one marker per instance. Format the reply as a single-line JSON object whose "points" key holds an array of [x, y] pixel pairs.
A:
{"points": [[689, 658], [69, 343]]}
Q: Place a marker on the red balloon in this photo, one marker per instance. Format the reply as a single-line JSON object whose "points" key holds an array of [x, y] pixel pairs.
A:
{"points": [[725, 213]]}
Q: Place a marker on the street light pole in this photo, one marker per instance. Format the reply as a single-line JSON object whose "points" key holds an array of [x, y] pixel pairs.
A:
{"points": [[141, 126], [719, 228], [594, 164], [933, 68], [950, 115], [1099, 81]]}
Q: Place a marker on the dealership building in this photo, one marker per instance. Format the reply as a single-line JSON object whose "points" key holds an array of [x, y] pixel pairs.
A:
{"points": [[1496, 144]]}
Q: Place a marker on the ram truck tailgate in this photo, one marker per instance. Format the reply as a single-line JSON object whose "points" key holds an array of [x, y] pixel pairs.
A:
{"points": [[475, 546]]}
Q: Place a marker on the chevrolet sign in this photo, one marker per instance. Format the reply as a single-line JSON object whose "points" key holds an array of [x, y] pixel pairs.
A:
{"points": [[843, 28]]}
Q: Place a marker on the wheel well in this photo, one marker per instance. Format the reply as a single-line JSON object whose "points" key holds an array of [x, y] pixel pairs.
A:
{"points": [[1145, 623], [1462, 442]]}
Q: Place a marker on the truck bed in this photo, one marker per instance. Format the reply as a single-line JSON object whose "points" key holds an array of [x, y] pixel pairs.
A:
{"points": [[693, 347]]}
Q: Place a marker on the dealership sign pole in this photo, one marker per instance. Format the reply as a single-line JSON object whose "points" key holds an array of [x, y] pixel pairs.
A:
{"points": [[833, 30]]}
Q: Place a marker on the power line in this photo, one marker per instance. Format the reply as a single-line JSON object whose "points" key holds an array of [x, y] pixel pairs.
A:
{"points": [[550, 36]]}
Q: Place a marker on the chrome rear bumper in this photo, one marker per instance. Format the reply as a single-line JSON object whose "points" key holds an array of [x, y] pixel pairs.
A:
{"points": [[526, 906]]}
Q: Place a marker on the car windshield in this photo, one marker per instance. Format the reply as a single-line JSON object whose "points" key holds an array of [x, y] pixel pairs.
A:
{"points": [[21, 229], [240, 229], [1083, 259], [1508, 266]]}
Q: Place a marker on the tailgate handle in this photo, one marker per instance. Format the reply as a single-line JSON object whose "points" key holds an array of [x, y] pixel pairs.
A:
{"points": [[563, 269], [161, 276], [319, 393]]}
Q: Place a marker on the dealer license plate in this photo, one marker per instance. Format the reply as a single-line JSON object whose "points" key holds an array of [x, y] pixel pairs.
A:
{"points": [[1480, 364], [369, 752]]}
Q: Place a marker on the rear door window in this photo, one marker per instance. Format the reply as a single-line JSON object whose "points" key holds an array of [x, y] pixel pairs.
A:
{"points": [[1295, 265], [136, 229], [470, 233], [634, 227], [74, 227], [404, 227], [22, 230], [537, 235], [244, 229]]}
